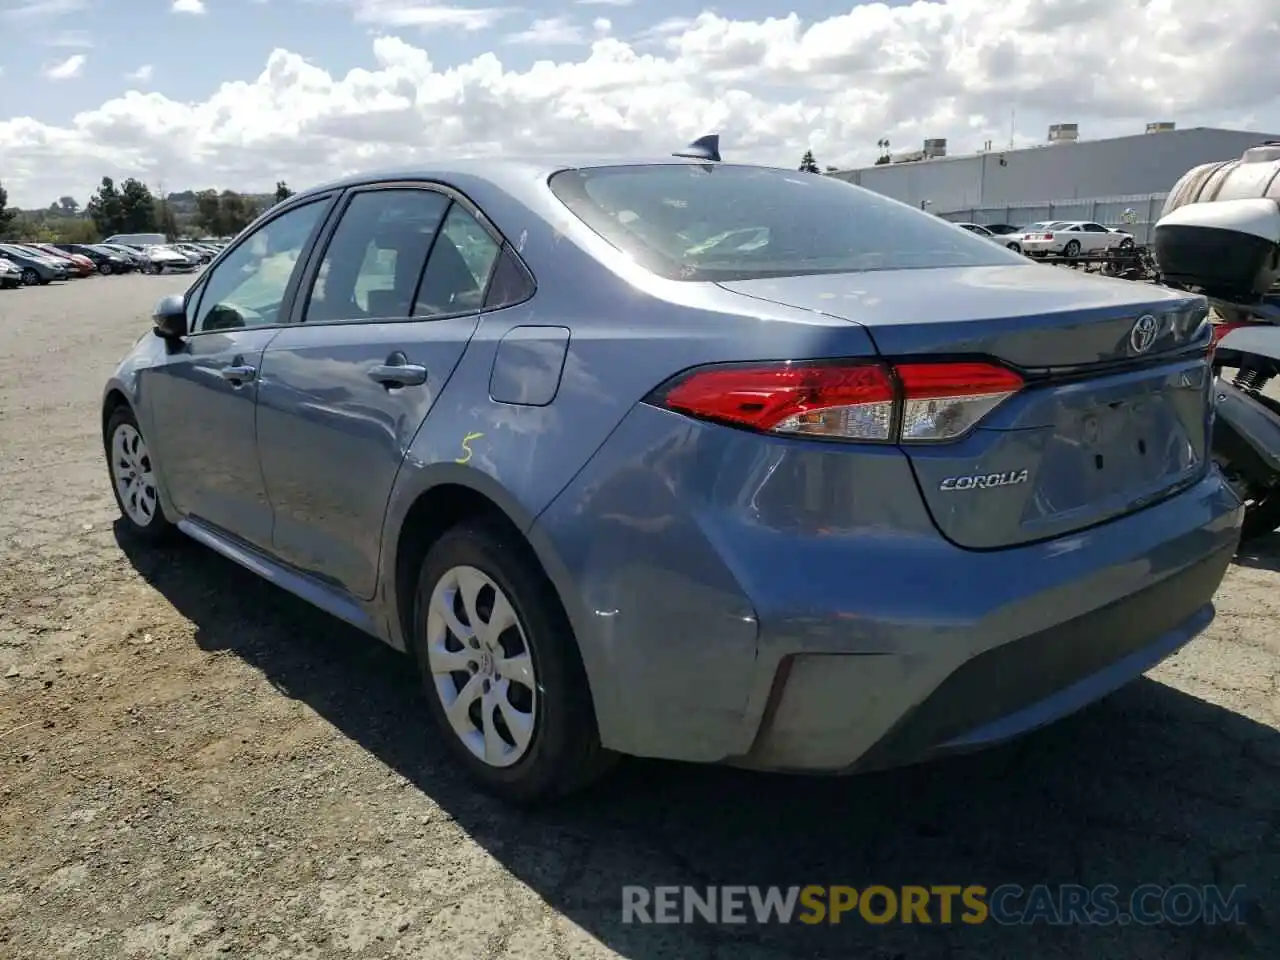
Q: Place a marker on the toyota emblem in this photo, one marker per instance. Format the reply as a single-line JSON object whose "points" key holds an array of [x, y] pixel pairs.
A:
{"points": [[1143, 334]]}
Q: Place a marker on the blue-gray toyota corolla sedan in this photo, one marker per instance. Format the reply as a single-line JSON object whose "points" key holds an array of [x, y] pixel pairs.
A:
{"points": [[687, 459]]}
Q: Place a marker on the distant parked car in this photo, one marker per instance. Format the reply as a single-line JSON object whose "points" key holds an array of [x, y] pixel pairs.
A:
{"points": [[82, 265], [36, 268], [1002, 229], [162, 258], [133, 255], [105, 261], [980, 230], [138, 239], [10, 275], [194, 250], [1073, 238]]}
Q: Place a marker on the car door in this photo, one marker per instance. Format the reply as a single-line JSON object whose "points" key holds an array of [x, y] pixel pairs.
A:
{"points": [[201, 398], [1097, 237], [345, 390]]}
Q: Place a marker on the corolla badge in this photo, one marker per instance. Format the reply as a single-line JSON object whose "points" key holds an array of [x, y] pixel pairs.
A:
{"points": [[1143, 334], [984, 481]]}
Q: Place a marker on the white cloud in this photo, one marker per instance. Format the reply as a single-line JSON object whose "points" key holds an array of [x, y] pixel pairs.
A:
{"points": [[188, 6], [772, 88], [602, 26], [425, 15], [66, 69], [72, 39], [142, 74], [605, 3], [550, 32], [39, 9]]}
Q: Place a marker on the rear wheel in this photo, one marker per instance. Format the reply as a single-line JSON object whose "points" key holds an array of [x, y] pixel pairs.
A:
{"points": [[501, 668], [1015, 247], [104, 268], [1072, 249], [133, 477]]}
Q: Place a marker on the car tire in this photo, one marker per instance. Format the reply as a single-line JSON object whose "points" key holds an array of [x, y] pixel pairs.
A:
{"points": [[1072, 249], [1015, 247], [30, 277], [558, 750], [104, 269], [1126, 243], [128, 460]]}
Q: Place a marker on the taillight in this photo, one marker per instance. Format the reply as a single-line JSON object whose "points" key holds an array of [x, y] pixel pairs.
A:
{"points": [[850, 400], [1047, 236], [942, 401], [1220, 330]]}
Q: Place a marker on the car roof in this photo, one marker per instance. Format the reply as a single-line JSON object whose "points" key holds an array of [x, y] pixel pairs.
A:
{"points": [[509, 172]]}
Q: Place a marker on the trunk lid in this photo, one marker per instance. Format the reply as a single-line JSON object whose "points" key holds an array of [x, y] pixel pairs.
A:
{"points": [[1112, 419]]}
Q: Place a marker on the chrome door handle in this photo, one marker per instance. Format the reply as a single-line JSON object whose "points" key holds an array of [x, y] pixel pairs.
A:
{"points": [[399, 374], [238, 373]]}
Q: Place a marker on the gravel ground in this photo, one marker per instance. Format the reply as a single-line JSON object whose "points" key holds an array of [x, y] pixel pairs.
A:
{"points": [[193, 764]]}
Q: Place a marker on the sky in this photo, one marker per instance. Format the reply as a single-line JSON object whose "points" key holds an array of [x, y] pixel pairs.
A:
{"points": [[237, 94]]}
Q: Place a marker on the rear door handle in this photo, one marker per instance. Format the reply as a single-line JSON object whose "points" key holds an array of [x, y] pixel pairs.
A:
{"points": [[238, 373], [398, 374]]}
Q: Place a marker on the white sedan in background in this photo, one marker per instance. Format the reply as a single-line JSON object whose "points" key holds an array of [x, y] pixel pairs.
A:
{"points": [[1069, 238]]}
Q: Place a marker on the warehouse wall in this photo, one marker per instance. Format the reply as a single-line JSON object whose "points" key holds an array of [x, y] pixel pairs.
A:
{"points": [[1124, 166]]}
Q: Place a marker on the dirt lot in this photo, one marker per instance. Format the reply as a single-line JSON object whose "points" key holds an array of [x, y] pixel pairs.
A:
{"points": [[193, 764]]}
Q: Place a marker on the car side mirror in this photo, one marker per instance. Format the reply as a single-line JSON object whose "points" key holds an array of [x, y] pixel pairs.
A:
{"points": [[170, 319]]}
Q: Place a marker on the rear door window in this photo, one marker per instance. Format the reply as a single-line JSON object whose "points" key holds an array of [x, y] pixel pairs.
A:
{"points": [[458, 270]]}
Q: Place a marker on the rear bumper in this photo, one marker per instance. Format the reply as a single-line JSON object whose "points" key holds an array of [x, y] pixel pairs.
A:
{"points": [[1041, 247], [792, 606], [993, 697]]}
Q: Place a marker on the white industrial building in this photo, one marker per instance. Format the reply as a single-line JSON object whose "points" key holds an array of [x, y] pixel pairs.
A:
{"points": [[1064, 178]]}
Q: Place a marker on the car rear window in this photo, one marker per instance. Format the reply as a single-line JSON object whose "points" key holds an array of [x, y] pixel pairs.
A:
{"points": [[727, 222]]}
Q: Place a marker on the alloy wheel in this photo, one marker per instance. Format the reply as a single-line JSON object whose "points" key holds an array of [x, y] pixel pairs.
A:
{"points": [[481, 667], [30, 277], [131, 470]]}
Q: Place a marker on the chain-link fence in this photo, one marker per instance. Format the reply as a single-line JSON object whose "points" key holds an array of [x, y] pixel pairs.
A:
{"points": [[1133, 214]]}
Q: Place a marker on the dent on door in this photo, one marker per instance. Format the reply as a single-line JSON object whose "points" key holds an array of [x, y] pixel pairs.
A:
{"points": [[528, 365]]}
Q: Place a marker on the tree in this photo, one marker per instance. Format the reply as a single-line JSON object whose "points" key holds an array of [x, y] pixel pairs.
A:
{"points": [[282, 191], [105, 208], [238, 211], [209, 212], [138, 207], [7, 215], [67, 207], [166, 222], [808, 164]]}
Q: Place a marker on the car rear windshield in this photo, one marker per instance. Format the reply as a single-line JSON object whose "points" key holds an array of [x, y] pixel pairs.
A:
{"points": [[727, 222]]}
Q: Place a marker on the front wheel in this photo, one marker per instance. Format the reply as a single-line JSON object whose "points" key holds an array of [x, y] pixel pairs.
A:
{"points": [[154, 269], [30, 277], [503, 676], [133, 477]]}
